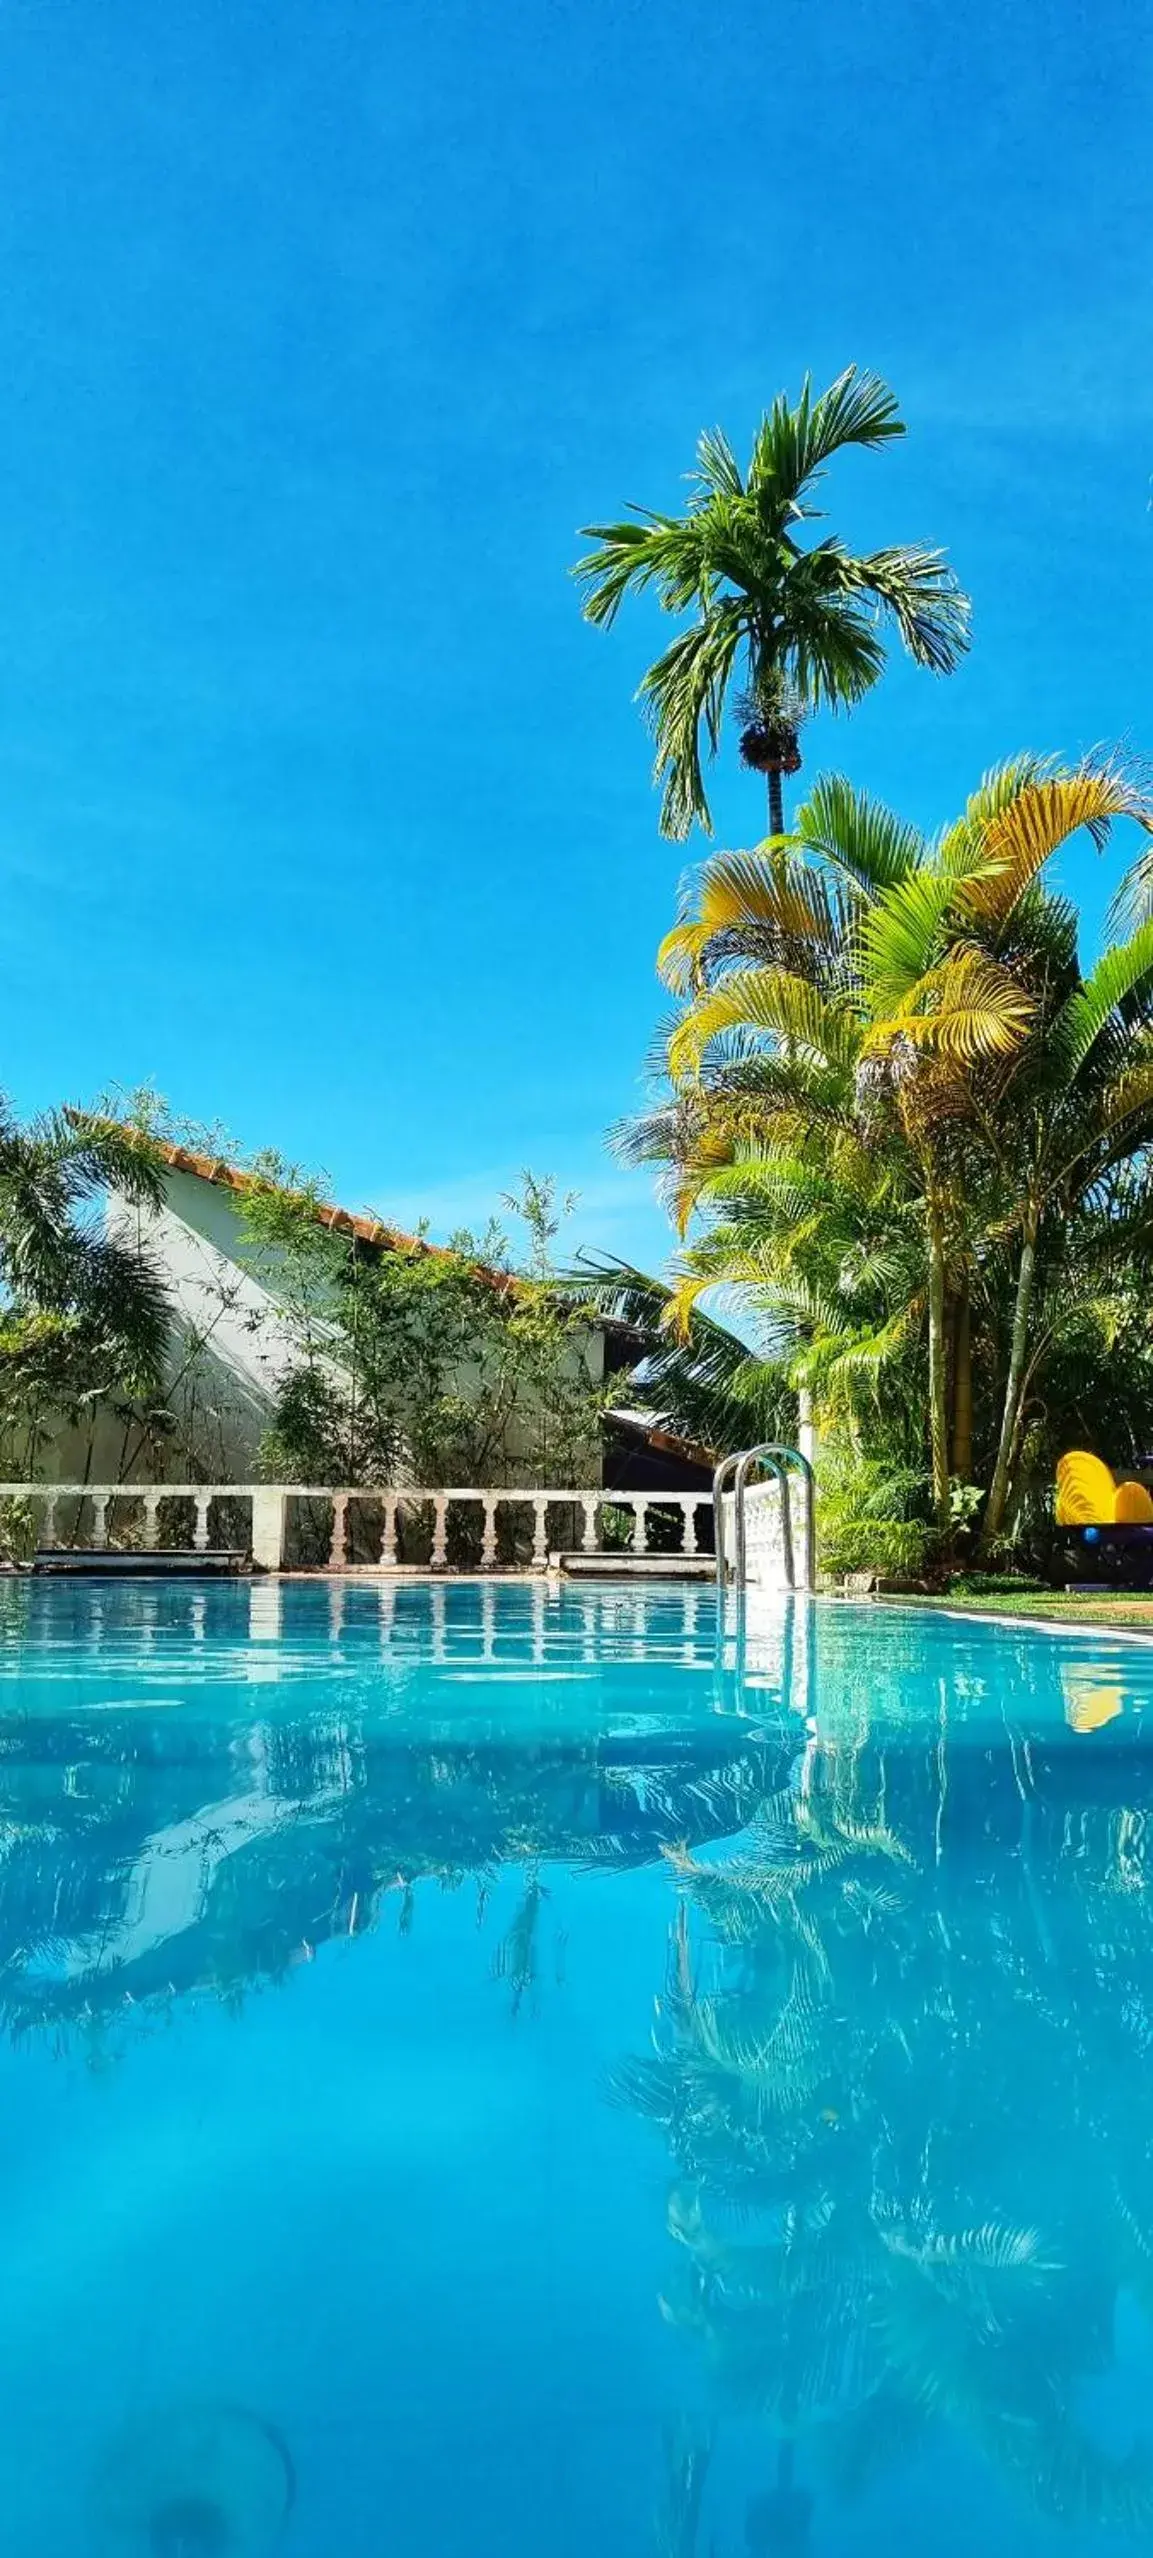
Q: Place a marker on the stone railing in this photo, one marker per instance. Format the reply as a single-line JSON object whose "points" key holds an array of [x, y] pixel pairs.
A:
{"points": [[93, 1516]]}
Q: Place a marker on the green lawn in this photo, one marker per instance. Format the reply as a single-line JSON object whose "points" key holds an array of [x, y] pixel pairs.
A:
{"points": [[1131, 1609]]}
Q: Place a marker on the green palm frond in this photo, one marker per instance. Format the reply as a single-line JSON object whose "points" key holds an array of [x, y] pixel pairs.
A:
{"points": [[793, 444], [1122, 972], [864, 840], [918, 588], [901, 937], [682, 693]]}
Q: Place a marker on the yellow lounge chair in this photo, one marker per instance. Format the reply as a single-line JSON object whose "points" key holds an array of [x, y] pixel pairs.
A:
{"points": [[1089, 1497]]}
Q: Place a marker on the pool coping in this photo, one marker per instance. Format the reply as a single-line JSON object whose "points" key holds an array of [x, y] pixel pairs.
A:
{"points": [[989, 1616]]}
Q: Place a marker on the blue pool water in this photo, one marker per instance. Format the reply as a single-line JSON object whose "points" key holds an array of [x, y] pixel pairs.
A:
{"points": [[492, 2073]]}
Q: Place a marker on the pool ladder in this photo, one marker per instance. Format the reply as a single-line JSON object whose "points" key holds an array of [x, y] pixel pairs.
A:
{"points": [[780, 1460]]}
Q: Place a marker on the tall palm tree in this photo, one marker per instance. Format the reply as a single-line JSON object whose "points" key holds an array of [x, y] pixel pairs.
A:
{"points": [[797, 625]]}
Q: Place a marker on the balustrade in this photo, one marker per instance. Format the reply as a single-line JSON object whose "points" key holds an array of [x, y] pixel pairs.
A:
{"points": [[97, 1519]]}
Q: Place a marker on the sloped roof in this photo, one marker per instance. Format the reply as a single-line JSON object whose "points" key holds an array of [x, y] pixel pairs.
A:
{"points": [[648, 1426], [370, 1230], [229, 1176], [344, 1221]]}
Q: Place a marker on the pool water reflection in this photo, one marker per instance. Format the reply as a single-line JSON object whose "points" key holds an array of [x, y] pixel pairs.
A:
{"points": [[496, 2070]]}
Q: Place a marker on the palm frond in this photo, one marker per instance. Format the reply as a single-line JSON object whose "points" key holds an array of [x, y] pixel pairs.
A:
{"points": [[1039, 817], [1122, 971], [794, 442], [918, 588], [776, 1002], [863, 839], [967, 1008]]}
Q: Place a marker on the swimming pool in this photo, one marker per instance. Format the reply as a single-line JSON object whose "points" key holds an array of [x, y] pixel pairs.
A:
{"points": [[498, 2073]]}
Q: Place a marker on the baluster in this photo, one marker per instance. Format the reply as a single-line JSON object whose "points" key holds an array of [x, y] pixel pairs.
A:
{"points": [[388, 1534], [691, 1507], [590, 1504], [48, 1523], [641, 1530], [540, 1531], [336, 1550], [151, 1521], [488, 1548], [269, 1504], [439, 1531], [200, 1531], [100, 1521]]}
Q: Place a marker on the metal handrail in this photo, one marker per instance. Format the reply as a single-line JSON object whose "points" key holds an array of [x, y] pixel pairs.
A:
{"points": [[720, 1472], [773, 1453]]}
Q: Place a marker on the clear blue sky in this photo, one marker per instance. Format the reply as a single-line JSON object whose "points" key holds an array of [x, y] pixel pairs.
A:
{"points": [[322, 329]]}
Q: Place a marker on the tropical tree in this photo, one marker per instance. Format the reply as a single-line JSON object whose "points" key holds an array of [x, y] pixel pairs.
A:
{"points": [[889, 1077], [797, 625], [437, 1364], [85, 1313]]}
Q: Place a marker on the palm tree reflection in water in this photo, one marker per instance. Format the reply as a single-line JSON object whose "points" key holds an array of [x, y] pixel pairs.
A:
{"points": [[905, 2025], [898, 2062]]}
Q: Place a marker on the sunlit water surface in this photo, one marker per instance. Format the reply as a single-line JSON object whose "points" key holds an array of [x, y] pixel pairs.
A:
{"points": [[490, 2072]]}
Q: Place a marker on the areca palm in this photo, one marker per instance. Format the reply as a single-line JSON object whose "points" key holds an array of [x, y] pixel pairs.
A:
{"points": [[1082, 1110], [918, 1003], [798, 626]]}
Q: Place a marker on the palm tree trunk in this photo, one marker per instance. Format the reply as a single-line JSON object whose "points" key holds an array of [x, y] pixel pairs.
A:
{"points": [[963, 1388], [776, 804], [999, 1488], [806, 1428], [938, 1377]]}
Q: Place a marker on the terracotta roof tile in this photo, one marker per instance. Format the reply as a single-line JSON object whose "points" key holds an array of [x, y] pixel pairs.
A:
{"points": [[227, 1176]]}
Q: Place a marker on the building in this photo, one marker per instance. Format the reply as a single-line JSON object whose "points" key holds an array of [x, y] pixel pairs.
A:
{"points": [[234, 1342]]}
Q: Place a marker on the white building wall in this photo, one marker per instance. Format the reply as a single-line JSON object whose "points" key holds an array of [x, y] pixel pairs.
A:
{"points": [[232, 1347]]}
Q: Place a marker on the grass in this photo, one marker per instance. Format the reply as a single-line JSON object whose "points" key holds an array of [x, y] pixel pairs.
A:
{"points": [[1131, 1608]]}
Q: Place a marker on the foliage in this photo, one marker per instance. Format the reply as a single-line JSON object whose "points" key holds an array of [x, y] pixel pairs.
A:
{"points": [[913, 1134], [698, 1376], [83, 1313], [417, 1363], [871, 1515], [18, 1529], [797, 625]]}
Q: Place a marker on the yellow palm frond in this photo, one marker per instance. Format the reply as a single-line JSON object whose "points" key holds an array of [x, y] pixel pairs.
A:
{"points": [[788, 1008], [1021, 837], [749, 893], [967, 1008], [1132, 1092], [689, 1286]]}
